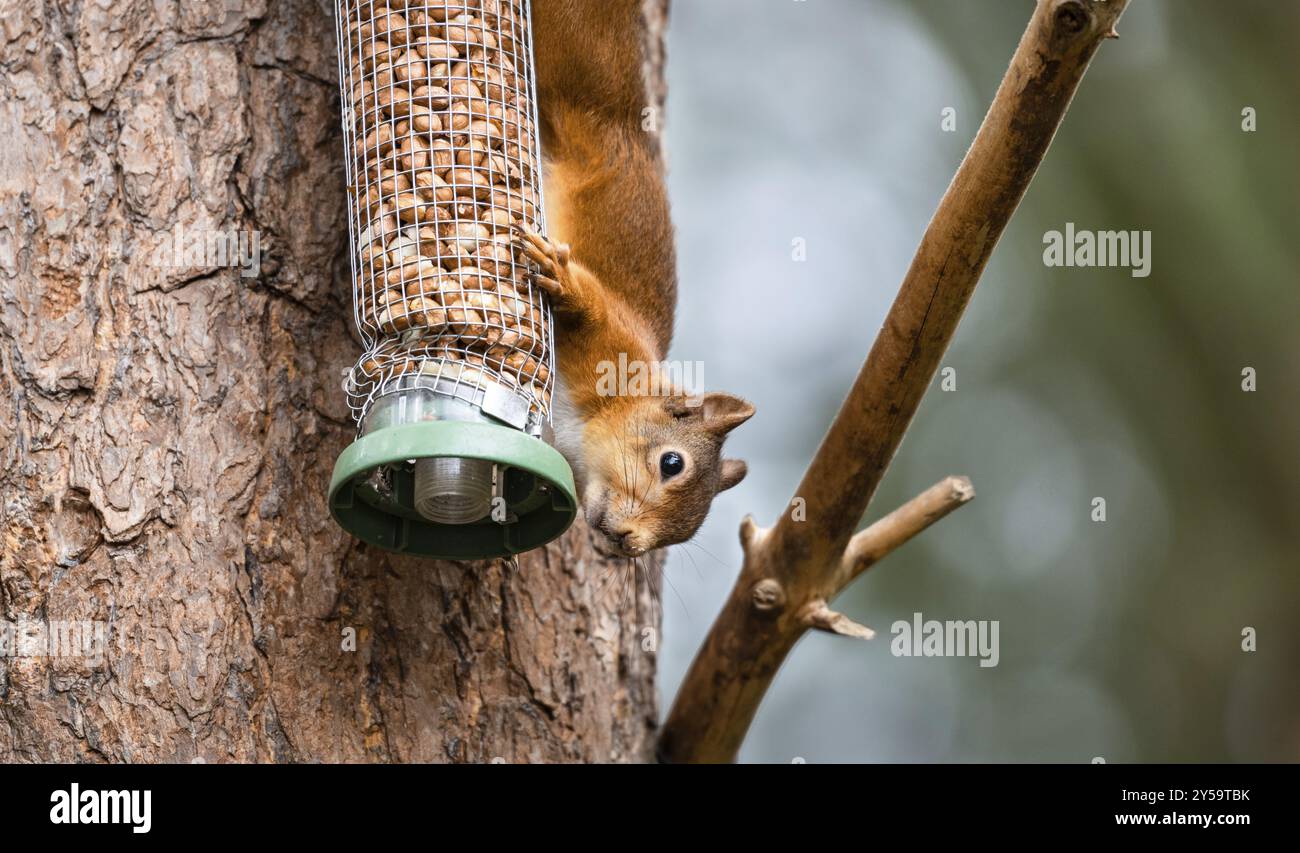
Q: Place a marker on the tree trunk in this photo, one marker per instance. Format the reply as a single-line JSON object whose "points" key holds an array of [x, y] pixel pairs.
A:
{"points": [[169, 431]]}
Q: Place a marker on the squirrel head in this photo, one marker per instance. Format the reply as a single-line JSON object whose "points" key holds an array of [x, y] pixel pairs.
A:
{"points": [[653, 468]]}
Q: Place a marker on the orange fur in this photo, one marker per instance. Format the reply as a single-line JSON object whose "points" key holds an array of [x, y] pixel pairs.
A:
{"points": [[609, 266]]}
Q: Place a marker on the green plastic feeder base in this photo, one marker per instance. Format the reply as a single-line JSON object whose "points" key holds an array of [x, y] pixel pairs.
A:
{"points": [[372, 492]]}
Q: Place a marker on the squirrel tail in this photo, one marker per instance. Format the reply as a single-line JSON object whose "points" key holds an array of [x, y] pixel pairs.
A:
{"points": [[604, 182], [590, 53]]}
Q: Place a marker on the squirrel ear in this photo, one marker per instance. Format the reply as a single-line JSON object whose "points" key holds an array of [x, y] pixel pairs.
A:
{"points": [[733, 471], [724, 412]]}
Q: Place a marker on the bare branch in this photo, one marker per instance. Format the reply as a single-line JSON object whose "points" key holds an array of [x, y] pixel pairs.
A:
{"points": [[820, 617], [798, 562], [871, 545]]}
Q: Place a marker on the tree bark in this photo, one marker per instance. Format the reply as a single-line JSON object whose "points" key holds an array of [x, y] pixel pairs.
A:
{"points": [[168, 434]]}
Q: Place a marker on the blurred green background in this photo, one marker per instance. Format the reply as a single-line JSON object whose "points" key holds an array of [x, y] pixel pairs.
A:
{"points": [[820, 120]]}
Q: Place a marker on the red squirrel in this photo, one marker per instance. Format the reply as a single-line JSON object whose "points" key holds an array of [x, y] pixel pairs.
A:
{"points": [[647, 467]]}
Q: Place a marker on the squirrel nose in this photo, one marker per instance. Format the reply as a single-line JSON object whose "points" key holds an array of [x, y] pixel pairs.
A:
{"points": [[626, 537]]}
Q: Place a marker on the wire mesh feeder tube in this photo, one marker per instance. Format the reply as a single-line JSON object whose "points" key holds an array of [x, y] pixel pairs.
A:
{"points": [[452, 394]]}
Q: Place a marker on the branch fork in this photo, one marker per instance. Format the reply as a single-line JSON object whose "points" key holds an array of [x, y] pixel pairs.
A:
{"points": [[769, 597], [793, 570]]}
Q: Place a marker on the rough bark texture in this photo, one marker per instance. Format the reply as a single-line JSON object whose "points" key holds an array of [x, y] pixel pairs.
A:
{"points": [[168, 434]]}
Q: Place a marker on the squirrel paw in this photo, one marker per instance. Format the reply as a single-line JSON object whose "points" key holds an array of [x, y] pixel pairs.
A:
{"points": [[555, 277]]}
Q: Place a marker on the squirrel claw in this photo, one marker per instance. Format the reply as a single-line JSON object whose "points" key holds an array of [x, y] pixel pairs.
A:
{"points": [[549, 285], [545, 252], [551, 258]]}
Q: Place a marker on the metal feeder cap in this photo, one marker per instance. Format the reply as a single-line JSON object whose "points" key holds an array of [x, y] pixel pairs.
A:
{"points": [[373, 491]]}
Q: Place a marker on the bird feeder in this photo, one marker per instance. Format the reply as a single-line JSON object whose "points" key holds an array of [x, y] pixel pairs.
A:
{"points": [[452, 395]]}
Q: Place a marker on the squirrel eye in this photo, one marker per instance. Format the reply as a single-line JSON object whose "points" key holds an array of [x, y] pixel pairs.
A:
{"points": [[671, 464]]}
